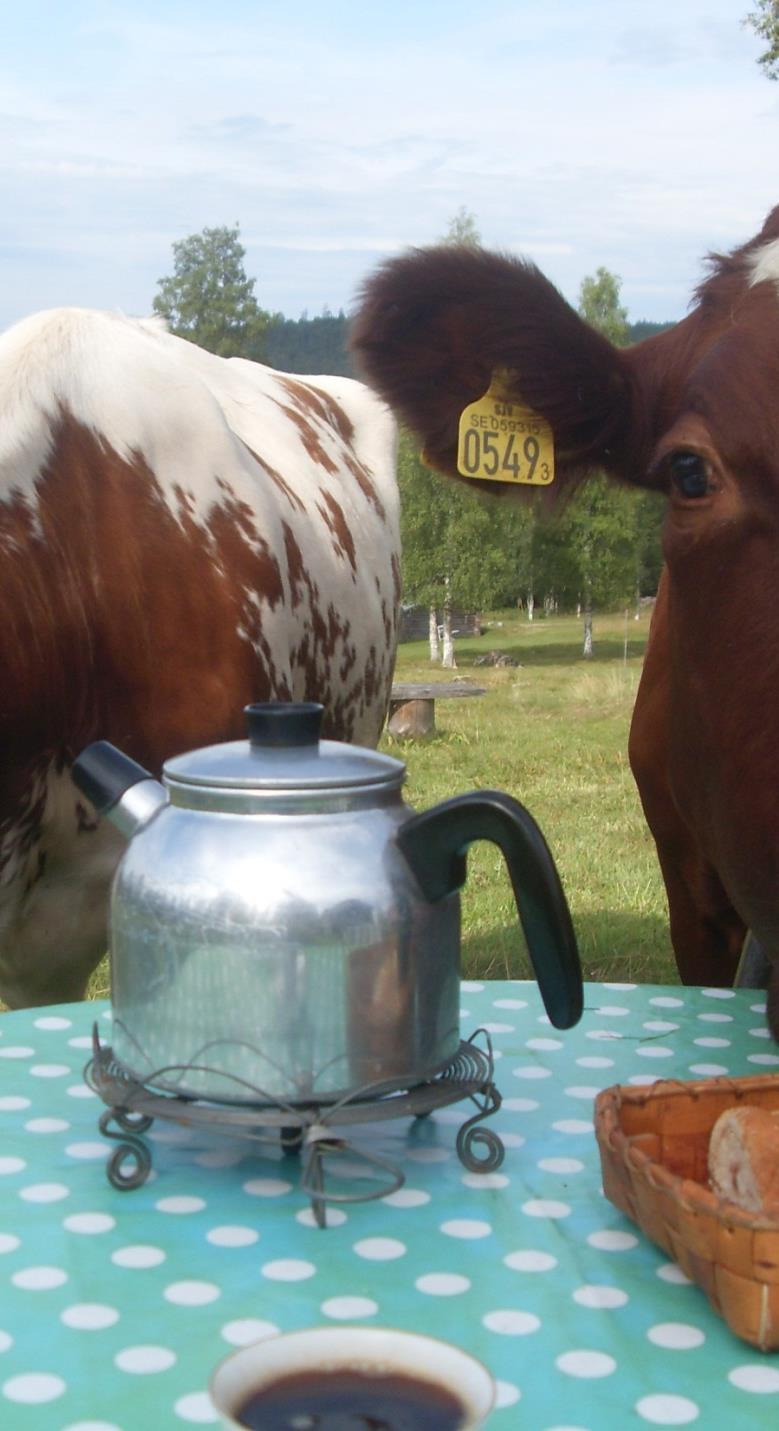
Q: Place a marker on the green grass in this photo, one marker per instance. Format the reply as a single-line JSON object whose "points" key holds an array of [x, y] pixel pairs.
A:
{"points": [[552, 732]]}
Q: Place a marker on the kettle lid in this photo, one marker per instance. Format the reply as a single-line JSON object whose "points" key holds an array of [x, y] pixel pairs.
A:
{"points": [[284, 754]]}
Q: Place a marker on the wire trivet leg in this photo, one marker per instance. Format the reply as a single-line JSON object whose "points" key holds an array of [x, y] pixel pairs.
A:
{"points": [[131, 1146], [471, 1136]]}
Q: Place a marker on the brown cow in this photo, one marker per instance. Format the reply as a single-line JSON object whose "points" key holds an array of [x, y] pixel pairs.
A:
{"points": [[179, 534], [692, 412]]}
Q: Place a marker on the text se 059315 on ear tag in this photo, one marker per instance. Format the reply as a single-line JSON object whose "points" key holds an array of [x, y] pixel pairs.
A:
{"points": [[502, 440]]}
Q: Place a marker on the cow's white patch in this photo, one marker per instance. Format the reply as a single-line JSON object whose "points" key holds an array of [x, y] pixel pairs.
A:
{"points": [[763, 265]]}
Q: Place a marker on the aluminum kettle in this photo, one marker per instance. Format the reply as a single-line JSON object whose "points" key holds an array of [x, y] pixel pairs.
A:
{"points": [[284, 928]]}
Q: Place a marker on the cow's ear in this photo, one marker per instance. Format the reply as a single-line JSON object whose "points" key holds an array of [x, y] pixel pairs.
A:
{"points": [[433, 326]]}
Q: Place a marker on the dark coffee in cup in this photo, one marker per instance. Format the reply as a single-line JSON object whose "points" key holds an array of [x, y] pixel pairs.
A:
{"points": [[351, 1400]]}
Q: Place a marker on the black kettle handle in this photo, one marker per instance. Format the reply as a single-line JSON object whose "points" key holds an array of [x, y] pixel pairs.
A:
{"points": [[435, 845]]}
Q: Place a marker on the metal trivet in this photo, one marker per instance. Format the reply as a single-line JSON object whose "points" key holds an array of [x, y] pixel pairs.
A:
{"points": [[308, 1129]]}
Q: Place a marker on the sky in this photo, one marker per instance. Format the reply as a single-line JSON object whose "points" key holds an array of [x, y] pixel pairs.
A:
{"points": [[580, 133]]}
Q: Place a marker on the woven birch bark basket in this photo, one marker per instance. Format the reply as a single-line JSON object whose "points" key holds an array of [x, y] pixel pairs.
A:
{"points": [[653, 1145]]}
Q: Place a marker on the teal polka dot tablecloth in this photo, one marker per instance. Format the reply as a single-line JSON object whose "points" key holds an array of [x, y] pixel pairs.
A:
{"points": [[115, 1306]]}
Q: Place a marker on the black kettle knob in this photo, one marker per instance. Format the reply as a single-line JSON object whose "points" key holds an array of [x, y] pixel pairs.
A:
{"points": [[283, 723]]}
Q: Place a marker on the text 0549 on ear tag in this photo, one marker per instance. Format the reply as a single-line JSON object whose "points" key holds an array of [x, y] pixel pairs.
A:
{"points": [[501, 440]]}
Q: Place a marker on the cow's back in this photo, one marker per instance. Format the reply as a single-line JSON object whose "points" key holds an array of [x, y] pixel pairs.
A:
{"points": [[180, 534]]}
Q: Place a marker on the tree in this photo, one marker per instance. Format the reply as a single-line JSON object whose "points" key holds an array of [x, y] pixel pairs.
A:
{"points": [[463, 229], [599, 305], [765, 23], [208, 298]]}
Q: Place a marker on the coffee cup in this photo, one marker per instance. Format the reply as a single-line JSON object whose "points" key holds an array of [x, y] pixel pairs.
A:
{"points": [[326, 1377]]}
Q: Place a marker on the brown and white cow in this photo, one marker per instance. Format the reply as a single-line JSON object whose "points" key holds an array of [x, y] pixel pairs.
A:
{"points": [[692, 412], [179, 534]]}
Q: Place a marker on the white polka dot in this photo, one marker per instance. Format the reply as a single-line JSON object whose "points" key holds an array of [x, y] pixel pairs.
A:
{"points": [[466, 1228], [180, 1204], [82, 1041], [53, 1021], [499, 1028], [34, 1387], [428, 1155], [768, 1060], [667, 1001], [676, 1336], [12, 1165], [89, 1316], [8, 1242], [223, 1157], [511, 1140], [604, 1035], [89, 1222], [191, 1293], [145, 1360], [86, 1150], [47, 1125], [545, 1207], [506, 1394], [17, 1051], [44, 1192], [756, 1378], [711, 1042], [612, 1011], [80, 1090], [585, 1091], [708, 1070], [380, 1249], [230, 1236], [715, 1018], [586, 1363], [509, 1003], [442, 1284], [759, 1033], [599, 1297], [245, 1330], [531, 1071], [718, 993], [139, 1255], [407, 1197], [6, 1342], [626, 988], [39, 1279], [511, 1323], [468, 986], [50, 1070], [544, 1045], [670, 1272], [560, 1165], [757, 1008], [342, 1309], [484, 1180], [12, 1103], [288, 1269], [643, 1080], [92, 1426], [654, 1050], [520, 1105], [530, 1261], [267, 1187], [573, 1125], [595, 1061], [660, 1026], [197, 1406], [447, 1115], [334, 1217], [610, 1240], [663, 1409]]}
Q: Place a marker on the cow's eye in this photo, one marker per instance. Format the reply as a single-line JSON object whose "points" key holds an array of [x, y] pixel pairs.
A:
{"points": [[689, 473]]}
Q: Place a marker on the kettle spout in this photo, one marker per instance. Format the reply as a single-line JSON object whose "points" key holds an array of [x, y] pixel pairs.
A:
{"points": [[118, 787]]}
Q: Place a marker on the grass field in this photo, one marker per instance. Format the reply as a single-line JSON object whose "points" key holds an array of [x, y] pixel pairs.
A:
{"points": [[552, 732]]}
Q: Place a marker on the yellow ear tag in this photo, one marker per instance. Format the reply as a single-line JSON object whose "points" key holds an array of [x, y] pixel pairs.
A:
{"points": [[502, 440]]}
